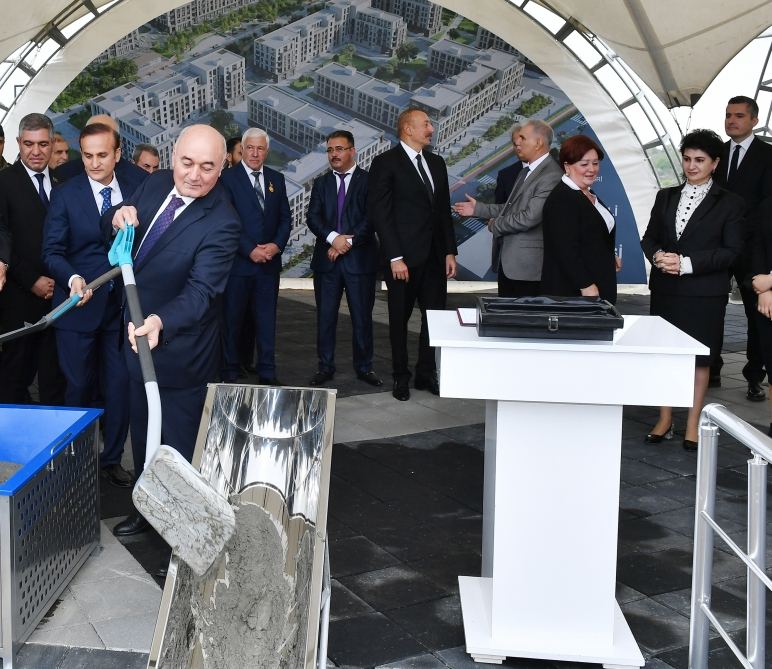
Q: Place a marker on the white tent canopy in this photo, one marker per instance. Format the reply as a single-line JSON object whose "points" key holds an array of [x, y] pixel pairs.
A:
{"points": [[676, 46]]}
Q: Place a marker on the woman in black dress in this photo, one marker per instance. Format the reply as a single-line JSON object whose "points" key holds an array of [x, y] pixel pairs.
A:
{"points": [[693, 238], [579, 230]]}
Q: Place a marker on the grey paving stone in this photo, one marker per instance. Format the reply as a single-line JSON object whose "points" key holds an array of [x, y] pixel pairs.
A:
{"points": [[392, 587], [37, 656], [636, 472], [85, 658], [656, 627], [127, 633], [426, 661], [345, 604]]}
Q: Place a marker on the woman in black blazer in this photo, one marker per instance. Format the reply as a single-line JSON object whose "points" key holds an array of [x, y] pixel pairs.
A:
{"points": [[695, 234], [579, 230]]}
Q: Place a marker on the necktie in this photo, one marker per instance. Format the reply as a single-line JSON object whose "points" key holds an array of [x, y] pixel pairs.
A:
{"points": [[259, 190], [425, 177], [341, 198], [106, 204], [733, 163], [516, 188], [42, 191], [162, 223]]}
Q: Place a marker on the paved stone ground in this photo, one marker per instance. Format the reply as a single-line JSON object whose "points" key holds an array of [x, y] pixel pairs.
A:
{"points": [[405, 521]]}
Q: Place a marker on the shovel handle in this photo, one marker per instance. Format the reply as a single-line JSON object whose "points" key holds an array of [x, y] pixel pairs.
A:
{"points": [[143, 347]]}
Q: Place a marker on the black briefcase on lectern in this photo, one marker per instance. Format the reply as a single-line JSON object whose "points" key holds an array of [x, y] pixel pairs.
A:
{"points": [[547, 317]]}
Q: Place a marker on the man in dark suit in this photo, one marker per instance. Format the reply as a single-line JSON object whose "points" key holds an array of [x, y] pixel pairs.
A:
{"points": [[75, 246], [505, 179], [408, 202], [123, 168], [259, 195], [25, 189], [746, 169], [186, 238], [345, 257]]}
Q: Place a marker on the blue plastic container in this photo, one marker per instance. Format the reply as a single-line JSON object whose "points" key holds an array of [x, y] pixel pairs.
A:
{"points": [[49, 511]]}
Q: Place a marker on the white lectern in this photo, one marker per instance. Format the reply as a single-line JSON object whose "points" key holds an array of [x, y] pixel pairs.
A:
{"points": [[553, 429]]}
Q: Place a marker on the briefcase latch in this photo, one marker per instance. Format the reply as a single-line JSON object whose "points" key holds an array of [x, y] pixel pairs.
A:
{"points": [[552, 323]]}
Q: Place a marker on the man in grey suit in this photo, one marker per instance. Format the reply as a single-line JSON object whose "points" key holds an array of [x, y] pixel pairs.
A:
{"points": [[517, 222]]}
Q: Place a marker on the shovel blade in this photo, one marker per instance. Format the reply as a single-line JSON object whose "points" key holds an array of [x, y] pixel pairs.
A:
{"points": [[191, 516]]}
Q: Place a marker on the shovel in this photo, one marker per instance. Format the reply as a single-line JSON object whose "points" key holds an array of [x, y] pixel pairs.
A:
{"points": [[59, 311], [191, 516]]}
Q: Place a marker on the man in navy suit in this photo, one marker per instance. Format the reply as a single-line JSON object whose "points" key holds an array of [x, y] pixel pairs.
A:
{"points": [[345, 258], [259, 195], [75, 246], [123, 167], [745, 169], [187, 235]]}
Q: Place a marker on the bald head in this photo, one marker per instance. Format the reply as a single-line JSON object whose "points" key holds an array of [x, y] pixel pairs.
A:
{"points": [[104, 119], [197, 160]]}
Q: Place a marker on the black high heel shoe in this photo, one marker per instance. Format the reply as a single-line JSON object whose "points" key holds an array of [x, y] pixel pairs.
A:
{"points": [[653, 438], [690, 445]]}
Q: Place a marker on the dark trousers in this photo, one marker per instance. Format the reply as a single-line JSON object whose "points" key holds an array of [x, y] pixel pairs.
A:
{"points": [[753, 371], [360, 297], [181, 410], [23, 358], [513, 288], [429, 287], [94, 360], [258, 296]]}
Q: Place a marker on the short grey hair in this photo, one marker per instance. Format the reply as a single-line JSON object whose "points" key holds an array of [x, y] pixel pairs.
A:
{"points": [[256, 132], [544, 130], [36, 121]]}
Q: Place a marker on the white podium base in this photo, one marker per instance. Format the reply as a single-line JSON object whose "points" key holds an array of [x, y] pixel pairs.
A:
{"points": [[476, 609]]}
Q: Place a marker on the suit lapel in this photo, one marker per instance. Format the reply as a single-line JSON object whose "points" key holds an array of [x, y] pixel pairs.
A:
{"points": [[413, 169], [701, 211]]}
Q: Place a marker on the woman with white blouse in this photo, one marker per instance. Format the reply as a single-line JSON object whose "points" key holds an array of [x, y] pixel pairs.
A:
{"points": [[694, 235]]}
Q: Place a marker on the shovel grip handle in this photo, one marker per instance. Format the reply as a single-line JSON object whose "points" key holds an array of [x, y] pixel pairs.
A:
{"points": [[143, 348]]}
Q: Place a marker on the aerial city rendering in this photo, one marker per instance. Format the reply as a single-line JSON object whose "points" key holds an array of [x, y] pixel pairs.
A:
{"points": [[302, 69]]}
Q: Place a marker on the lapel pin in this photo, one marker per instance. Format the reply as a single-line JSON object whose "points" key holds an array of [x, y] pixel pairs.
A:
{"points": [[270, 187]]}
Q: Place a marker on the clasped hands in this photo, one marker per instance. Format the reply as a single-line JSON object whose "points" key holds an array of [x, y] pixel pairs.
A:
{"points": [[762, 286], [669, 263], [339, 246], [263, 253]]}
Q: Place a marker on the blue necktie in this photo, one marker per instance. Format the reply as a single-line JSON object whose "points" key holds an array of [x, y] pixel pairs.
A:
{"points": [[106, 204], [162, 223], [42, 191], [259, 190]]}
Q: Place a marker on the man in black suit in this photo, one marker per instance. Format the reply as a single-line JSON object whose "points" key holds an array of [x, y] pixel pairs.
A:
{"points": [[186, 238], [505, 179], [25, 189], [345, 258], [124, 169], [746, 169], [409, 203]]}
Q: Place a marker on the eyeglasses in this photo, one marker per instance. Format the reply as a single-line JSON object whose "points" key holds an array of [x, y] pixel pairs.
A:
{"points": [[338, 149]]}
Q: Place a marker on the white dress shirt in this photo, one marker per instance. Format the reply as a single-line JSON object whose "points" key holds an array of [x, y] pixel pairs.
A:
{"points": [[744, 146], [46, 181]]}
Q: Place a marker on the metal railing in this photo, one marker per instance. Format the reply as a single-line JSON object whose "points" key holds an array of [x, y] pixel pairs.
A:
{"points": [[713, 417]]}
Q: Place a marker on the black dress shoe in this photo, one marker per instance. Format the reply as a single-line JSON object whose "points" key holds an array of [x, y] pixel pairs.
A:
{"points": [[401, 390], [690, 445], [714, 381], [269, 381], [320, 378], [654, 438], [429, 383], [118, 476], [755, 393], [370, 377], [134, 524]]}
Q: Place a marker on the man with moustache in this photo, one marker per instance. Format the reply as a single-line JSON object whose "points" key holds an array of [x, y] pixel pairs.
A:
{"points": [[745, 168], [259, 195], [345, 258], [75, 246], [25, 191], [187, 234], [409, 204]]}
